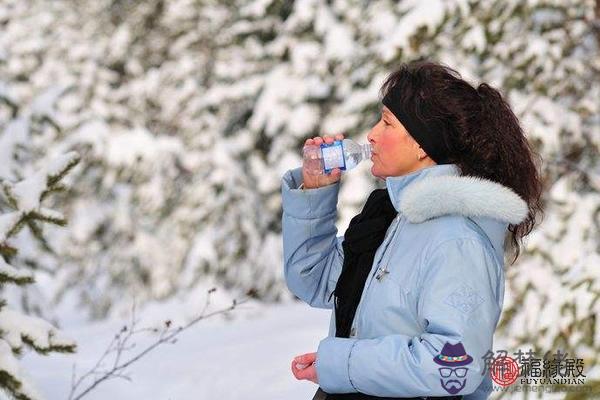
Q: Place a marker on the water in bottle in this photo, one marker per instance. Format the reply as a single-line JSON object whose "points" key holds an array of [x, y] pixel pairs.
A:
{"points": [[345, 155]]}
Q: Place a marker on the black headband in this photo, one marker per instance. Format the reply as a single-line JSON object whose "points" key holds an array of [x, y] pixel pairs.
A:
{"points": [[430, 135]]}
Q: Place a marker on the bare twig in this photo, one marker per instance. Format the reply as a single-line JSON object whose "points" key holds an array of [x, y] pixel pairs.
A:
{"points": [[119, 345]]}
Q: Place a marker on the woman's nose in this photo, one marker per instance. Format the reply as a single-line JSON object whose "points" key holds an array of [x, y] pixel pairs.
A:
{"points": [[370, 137]]}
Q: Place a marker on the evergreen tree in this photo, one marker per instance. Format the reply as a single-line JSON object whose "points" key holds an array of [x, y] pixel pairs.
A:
{"points": [[27, 178], [18, 330]]}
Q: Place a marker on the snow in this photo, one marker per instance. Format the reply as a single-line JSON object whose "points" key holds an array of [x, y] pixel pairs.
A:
{"points": [[15, 133], [339, 43], [127, 148], [27, 192], [303, 120], [8, 222], [246, 357], [15, 326], [475, 38], [547, 120], [271, 108], [303, 54], [120, 43], [417, 14], [7, 270], [255, 8], [9, 363], [44, 104]]}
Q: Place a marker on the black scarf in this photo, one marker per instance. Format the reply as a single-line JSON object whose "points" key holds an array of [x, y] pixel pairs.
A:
{"points": [[361, 240]]}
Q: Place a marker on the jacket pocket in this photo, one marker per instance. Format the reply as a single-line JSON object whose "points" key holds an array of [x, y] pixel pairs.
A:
{"points": [[391, 307], [397, 289]]}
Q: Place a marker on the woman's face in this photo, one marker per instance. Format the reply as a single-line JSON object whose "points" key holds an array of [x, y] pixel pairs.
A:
{"points": [[394, 150]]}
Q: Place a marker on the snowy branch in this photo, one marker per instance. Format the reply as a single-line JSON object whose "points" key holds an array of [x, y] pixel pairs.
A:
{"points": [[121, 343], [17, 329]]}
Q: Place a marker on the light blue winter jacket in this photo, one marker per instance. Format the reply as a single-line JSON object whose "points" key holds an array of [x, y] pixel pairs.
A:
{"points": [[444, 254]]}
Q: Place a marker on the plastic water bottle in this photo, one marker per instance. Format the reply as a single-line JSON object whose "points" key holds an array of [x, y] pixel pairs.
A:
{"points": [[345, 155]]}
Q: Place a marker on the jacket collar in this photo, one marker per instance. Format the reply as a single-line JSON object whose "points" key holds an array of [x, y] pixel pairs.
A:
{"points": [[440, 189], [396, 185]]}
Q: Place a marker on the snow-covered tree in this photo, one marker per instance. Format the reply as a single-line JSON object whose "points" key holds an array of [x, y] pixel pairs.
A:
{"points": [[164, 196], [28, 177], [23, 208]]}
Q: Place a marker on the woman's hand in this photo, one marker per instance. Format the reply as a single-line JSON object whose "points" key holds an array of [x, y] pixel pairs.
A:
{"points": [[303, 367], [315, 181]]}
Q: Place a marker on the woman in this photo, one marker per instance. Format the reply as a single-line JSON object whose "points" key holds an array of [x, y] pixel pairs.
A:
{"points": [[418, 277]]}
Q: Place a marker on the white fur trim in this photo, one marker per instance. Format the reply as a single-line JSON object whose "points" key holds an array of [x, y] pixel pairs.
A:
{"points": [[465, 195]]}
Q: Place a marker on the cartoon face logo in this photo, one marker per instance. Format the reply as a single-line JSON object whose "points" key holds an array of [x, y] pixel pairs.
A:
{"points": [[453, 372]]}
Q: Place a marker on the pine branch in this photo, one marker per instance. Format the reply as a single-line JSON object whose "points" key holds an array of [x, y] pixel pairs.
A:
{"points": [[72, 160], [120, 344], [7, 188], [7, 250], [37, 232], [11, 104], [17, 329], [12, 385], [50, 121], [47, 215], [10, 274], [59, 187], [50, 349]]}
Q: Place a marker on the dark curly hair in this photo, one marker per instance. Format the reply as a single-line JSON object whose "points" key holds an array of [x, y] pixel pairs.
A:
{"points": [[482, 133]]}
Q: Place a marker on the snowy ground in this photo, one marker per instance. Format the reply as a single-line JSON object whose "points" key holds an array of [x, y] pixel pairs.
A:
{"points": [[245, 357]]}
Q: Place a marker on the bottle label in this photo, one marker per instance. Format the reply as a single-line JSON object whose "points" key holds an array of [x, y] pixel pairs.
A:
{"points": [[333, 156]]}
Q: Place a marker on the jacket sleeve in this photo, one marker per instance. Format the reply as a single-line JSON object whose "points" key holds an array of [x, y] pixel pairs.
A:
{"points": [[457, 302], [313, 254]]}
